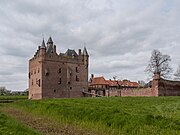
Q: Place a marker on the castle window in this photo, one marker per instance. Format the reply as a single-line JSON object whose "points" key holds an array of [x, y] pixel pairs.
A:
{"points": [[38, 70], [59, 81], [32, 82], [77, 70], [69, 82], [77, 79], [34, 71], [70, 88], [46, 72], [59, 71], [54, 91], [39, 83]]}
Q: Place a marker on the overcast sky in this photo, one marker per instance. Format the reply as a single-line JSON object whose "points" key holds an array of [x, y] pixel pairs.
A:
{"points": [[119, 34]]}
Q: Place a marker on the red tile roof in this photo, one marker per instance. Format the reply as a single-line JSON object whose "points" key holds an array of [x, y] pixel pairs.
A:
{"points": [[112, 83], [102, 81], [98, 81]]}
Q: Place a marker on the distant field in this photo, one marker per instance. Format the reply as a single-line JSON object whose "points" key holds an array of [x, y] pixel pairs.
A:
{"points": [[106, 116], [13, 97]]}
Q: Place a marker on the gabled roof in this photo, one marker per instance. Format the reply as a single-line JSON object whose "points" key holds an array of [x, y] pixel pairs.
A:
{"points": [[112, 83], [101, 81], [70, 53], [98, 81]]}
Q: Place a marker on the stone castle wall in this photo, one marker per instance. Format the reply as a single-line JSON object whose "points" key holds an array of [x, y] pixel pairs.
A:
{"points": [[145, 92], [160, 87], [168, 88], [63, 81], [35, 81]]}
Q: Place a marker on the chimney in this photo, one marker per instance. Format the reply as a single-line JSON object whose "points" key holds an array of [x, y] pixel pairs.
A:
{"points": [[92, 76], [79, 51]]}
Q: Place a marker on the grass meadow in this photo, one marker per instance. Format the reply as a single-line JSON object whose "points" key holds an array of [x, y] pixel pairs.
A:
{"points": [[9, 125], [110, 115], [12, 97]]}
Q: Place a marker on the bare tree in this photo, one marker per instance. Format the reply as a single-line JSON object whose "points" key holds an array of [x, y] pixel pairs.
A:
{"points": [[159, 64], [177, 74]]}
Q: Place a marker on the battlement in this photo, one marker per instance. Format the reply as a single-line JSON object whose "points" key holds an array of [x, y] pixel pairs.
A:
{"points": [[48, 52]]}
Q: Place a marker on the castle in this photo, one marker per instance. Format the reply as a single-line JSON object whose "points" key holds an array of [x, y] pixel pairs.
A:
{"points": [[98, 86], [53, 75], [65, 75]]}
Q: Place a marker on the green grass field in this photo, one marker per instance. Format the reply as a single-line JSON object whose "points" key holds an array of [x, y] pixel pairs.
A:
{"points": [[10, 126], [13, 97], [110, 116]]}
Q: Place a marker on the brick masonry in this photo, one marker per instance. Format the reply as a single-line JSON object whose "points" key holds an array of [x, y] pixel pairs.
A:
{"points": [[160, 87], [53, 75]]}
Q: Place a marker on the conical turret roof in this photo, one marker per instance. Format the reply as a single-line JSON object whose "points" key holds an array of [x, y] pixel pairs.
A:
{"points": [[85, 51], [43, 44], [50, 40]]}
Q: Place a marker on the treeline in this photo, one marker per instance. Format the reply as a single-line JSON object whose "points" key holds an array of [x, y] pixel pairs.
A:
{"points": [[5, 92]]}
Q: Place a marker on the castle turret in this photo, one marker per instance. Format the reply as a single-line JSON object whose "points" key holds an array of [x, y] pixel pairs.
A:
{"points": [[42, 49], [85, 53], [43, 44], [50, 42], [50, 47], [155, 83], [85, 57]]}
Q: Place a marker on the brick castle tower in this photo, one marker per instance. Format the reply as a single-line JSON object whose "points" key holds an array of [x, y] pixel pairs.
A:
{"points": [[53, 75]]}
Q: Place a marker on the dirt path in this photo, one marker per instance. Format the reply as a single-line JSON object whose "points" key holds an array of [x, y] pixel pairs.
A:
{"points": [[45, 126]]}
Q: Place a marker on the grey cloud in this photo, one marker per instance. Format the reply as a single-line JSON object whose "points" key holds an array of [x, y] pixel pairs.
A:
{"points": [[119, 35]]}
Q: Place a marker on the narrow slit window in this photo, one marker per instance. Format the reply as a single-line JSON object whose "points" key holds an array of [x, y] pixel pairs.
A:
{"points": [[59, 81], [59, 71], [77, 79], [77, 70]]}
